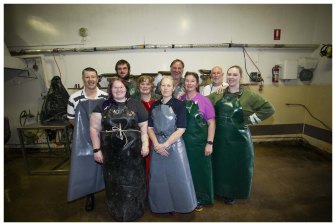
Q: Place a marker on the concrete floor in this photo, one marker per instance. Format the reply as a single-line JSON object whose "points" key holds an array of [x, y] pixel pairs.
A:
{"points": [[291, 183]]}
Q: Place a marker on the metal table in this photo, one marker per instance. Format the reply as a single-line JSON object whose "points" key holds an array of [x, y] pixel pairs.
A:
{"points": [[38, 126]]}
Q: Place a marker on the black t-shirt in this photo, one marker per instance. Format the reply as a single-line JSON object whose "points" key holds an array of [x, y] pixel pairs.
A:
{"points": [[133, 105], [178, 107]]}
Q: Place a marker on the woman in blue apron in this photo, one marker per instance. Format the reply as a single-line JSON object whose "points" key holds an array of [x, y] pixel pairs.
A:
{"points": [[118, 130], [198, 139], [170, 185], [233, 151]]}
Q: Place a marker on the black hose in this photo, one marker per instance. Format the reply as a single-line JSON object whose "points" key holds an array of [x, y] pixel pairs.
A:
{"points": [[311, 115], [24, 115]]}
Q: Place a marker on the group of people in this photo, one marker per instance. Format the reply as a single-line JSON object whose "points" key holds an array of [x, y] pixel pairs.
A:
{"points": [[173, 147]]}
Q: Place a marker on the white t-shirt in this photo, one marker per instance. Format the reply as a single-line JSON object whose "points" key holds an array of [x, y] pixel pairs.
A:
{"points": [[208, 89], [78, 96]]}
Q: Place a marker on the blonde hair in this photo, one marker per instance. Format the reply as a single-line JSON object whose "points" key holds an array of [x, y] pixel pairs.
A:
{"points": [[166, 77]]}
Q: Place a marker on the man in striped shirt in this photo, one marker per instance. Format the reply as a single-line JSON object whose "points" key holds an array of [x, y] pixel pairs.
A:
{"points": [[89, 91]]}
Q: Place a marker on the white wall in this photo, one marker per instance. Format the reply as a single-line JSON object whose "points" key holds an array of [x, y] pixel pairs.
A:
{"points": [[56, 26], [134, 24]]}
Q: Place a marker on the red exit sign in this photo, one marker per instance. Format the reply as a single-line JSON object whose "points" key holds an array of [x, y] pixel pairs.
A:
{"points": [[276, 34]]}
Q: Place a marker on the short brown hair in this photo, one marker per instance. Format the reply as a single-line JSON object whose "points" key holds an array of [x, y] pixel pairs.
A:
{"points": [[195, 75], [177, 60], [143, 78], [89, 69]]}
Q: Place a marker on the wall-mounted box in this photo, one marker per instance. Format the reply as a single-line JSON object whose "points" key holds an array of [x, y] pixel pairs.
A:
{"points": [[288, 70]]}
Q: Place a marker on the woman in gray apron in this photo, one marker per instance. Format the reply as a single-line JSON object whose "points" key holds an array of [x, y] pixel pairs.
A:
{"points": [[119, 127], [233, 151], [170, 185]]}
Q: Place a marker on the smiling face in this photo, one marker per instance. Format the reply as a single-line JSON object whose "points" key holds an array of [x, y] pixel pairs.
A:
{"points": [[191, 83], [234, 77], [119, 91], [145, 87], [167, 87], [90, 79], [177, 70]]}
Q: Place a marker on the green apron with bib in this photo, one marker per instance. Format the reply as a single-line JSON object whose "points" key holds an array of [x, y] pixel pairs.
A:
{"points": [[233, 152], [195, 138]]}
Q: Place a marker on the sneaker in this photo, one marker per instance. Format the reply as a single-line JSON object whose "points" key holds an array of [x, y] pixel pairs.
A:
{"points": [[199, 208], [228, 200]]}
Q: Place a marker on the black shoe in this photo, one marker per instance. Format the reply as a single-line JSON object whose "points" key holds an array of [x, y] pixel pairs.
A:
{"points": [[228, 200], [89, 206]]}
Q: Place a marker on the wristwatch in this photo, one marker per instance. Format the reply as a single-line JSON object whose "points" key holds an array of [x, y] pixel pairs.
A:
{"points": [[210, 142], [96, 150]]}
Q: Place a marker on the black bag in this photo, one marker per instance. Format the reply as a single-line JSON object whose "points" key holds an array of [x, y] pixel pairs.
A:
{"points": [[54, 108]]}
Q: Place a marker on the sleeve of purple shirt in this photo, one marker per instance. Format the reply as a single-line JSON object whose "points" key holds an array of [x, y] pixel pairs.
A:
{"points": [[206, 107]]}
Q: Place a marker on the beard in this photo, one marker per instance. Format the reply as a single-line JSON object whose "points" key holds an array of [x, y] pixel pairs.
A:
{"points": [[125, 77]]}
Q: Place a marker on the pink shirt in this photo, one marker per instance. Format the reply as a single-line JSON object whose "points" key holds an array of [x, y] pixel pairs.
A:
{"points": [[205, 105]]}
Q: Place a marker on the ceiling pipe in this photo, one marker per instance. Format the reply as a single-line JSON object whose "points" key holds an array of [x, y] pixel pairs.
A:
{"points": [[165, 46]]}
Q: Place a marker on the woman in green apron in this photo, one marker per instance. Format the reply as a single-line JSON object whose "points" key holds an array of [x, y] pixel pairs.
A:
{"points": [[198, 139], [233, 152]]}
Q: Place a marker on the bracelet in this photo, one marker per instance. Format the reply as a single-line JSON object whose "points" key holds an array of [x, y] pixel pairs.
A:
{"points": [[96, 150]]}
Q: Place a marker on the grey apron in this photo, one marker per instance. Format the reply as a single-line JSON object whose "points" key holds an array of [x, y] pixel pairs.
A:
{"points": [[170, 185], [86, 175]]}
